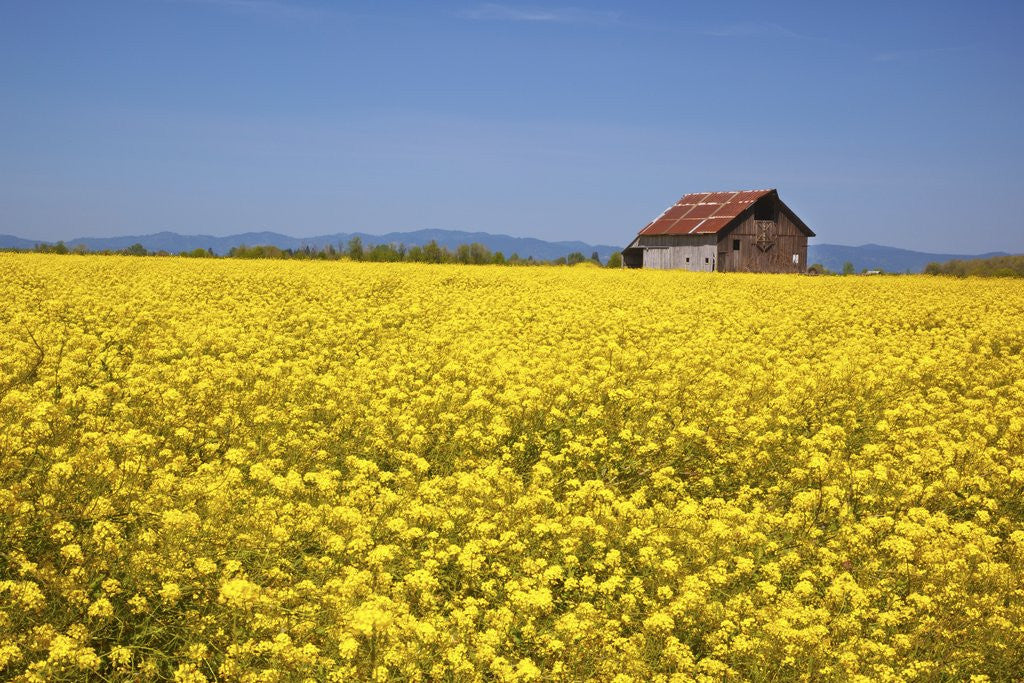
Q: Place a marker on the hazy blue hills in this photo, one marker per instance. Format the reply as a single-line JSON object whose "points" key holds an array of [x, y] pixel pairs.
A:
{"points": [[12, 242], [832, 256], [878, 257], [174, 243]]}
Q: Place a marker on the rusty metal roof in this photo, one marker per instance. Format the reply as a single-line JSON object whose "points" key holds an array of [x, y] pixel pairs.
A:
{"points": [[703, 212]]}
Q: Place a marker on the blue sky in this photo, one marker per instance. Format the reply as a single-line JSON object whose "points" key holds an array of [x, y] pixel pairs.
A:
{"points": [[895, 123]]}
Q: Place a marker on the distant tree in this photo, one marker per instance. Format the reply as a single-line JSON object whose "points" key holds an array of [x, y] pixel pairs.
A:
{"points": [[432, 252], [135, 250], [45, 248], [848, 268], [560, 261], [80, 249], [355, 249], [575, 257], [479, 254], [615, 260], [596, 258], [817, 269], [499, 258], [259, 251], [383, 253]]}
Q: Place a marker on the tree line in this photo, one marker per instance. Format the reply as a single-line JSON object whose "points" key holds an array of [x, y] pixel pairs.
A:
{"points": [[432, 252], [995, 266]]}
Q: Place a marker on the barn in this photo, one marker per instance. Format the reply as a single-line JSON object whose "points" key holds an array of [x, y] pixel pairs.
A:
{"points": [[742, 231]]}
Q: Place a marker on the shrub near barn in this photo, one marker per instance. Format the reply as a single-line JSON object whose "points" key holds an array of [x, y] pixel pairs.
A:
{"points": [[278, 470]]}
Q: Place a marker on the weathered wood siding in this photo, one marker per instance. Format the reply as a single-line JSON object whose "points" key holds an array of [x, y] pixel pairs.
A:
{"points": [[790, 241], [678, 252]]}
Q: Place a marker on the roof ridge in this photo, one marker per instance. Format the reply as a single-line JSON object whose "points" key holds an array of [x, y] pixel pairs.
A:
{"points": [[762, 189]]}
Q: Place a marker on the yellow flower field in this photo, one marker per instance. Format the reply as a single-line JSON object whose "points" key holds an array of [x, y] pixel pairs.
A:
{"points": [[263, 471]]}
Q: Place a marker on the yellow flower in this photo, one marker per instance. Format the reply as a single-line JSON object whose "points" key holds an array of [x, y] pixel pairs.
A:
{"points": [[239, 593], [101, 608], [170, 592], [526, 670], [72, 552], [120, 656]]}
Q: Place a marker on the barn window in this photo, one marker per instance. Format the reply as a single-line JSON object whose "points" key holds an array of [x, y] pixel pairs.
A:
{"points": [[707, 260], [687, 259], [796, 259], [764, 211], [735, 245]]}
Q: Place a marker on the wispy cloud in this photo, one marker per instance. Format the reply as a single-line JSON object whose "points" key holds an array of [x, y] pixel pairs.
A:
{"points": [[751, 29], [280, 8], [922, 53], [561, 15]]}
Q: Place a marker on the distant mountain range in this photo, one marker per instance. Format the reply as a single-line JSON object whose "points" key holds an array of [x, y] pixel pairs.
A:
{"points": [[878, 257], [832, 256]]}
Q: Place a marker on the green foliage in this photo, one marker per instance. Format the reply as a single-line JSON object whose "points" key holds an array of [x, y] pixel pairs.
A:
{"points": [[474, 253], [258, 251], [355, 249], [432, 253], [996, 266], [135, 250], [383, 253], [44, 248]]}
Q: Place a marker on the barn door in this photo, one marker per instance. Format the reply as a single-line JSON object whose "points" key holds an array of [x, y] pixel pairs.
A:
{"points": [[721, 266], [656, 257]]}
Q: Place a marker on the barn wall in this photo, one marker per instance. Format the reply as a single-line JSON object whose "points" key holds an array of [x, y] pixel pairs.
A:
{"points": [[665, 252], [789, 240]]}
